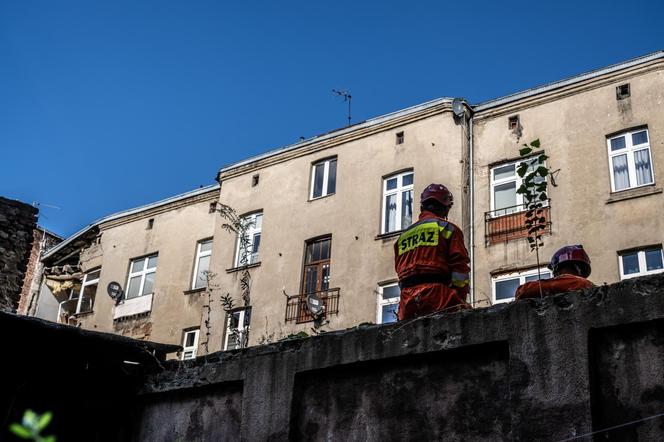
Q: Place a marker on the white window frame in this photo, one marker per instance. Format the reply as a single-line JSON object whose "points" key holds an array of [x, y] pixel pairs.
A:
{"points": [[382, 302], [518, 181], [243, 331], [253, 229], [197, 262], [643, 269], [630, 150], [326, 177], [87, 282], [514, 275], [190, 352], [142, 273], [399, 190]]}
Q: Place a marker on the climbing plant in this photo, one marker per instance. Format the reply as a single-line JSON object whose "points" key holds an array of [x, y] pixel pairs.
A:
{"points": [[239, 226], [533, 173]]}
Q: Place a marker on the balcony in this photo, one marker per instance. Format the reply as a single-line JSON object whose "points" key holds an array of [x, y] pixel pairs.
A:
{"points": [[509, 223], [296, 306]]}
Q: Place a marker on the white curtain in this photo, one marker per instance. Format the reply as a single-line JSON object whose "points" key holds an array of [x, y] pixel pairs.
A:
{"points": [[406, 209], [642, 163], [620, 172], [390, 213]]}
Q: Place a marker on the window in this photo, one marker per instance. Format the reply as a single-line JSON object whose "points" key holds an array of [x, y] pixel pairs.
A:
{"points": [[397, 202], [622, 91], [189, 344], [86, 296], [504, 286], [647, 261], [237, 329], [141, 276], [323, 178], [202, 264], [254, 180], [388, 303], [150, 224], [400, 137], [504, 184], [513, 122], [629, 160], [317, 265], [248, 245]]}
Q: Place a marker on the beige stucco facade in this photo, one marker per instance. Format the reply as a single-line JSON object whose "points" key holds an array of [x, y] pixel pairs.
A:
{"points": [[573, 123], [171, 231], [433, 149], [435, 141]]}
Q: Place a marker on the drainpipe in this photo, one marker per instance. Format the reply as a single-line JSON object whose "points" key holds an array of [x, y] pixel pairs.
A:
{"points": [[471, 184]]}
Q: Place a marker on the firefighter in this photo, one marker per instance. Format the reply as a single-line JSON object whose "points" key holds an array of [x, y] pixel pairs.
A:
{"points": [[570, 266], [431, 260]]}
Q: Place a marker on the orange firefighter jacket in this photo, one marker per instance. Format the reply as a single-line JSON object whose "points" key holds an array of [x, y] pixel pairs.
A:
{"points": [[433, 265], [559, 284]]}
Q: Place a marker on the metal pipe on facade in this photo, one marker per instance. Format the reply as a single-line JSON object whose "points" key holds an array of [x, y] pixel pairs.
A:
{"points": [[471, 197]]}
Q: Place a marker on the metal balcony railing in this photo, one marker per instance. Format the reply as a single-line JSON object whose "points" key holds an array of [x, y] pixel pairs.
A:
{"points": [[509, 223], [296, 306]]}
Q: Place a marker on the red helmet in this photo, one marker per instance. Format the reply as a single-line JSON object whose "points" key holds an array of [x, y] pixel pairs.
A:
{"points": [[439, 193], [574, 254]]}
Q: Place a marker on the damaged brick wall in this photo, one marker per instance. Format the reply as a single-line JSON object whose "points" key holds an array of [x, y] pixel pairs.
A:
{"points": [[42, 241], [547, 369], [17, 224]]}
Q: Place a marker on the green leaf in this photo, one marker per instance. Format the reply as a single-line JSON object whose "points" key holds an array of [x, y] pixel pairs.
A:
{"points": [[20, 431], [530, 213], [535, 143], [542, 171], [525, 151], [44, 420], [542, 158], [522, 169], [48, 439], [542, 220], [532, 230], [543, 197]]}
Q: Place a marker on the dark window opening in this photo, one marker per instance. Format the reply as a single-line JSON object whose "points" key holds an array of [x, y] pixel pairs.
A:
{"points": [[254, 180], [150, 223], [622, 91], [317, 266], [400, 138], [513, 122]]}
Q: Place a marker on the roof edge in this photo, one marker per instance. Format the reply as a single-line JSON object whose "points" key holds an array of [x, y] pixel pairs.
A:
{"points": [[338, 132], [495, 102], [129, 212]]}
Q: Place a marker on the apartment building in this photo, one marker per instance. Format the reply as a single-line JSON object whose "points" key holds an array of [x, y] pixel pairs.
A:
{"points": [[321, 216], [324, 214], [604, 135], [158, 254]]}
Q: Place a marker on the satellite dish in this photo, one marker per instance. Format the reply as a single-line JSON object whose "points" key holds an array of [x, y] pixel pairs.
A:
{"points": [[315, 306], [114, 290], [458, 108]]}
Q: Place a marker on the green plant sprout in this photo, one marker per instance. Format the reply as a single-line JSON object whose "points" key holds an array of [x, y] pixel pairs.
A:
{"points": [[533, 172], [32, 425]]}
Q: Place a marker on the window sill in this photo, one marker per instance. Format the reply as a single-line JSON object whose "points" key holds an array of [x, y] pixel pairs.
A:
{"points": [[389, 235], [240, 268], [82, 314], [320, 197], [194, 291], [633, 193]]}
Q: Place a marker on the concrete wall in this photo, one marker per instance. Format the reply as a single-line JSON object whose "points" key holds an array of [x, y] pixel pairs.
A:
{"points": [[572, 124], [174, 235], [17, 222], [529, 370], [360, 259]]}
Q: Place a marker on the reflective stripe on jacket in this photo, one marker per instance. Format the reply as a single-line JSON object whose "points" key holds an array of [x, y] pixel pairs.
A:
{"points": [[433, 245]]}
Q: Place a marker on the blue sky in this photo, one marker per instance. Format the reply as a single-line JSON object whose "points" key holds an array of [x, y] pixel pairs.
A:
{"points": [[106, 106]]}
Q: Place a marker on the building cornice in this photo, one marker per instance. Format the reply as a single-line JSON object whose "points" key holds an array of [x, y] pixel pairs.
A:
{"points": [[571, 86], [171, 203], [335, 138]]}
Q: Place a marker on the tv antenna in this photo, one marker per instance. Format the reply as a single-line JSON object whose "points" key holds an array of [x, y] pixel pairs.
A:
{"points": [[347, 97]]}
